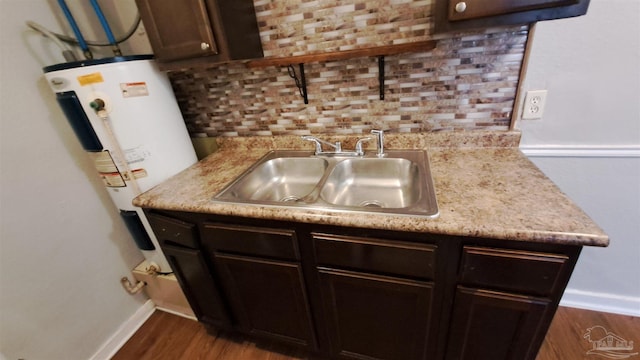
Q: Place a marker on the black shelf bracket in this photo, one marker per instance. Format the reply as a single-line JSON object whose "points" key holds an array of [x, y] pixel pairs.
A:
{"points": [[381, 76], [301, 82]]}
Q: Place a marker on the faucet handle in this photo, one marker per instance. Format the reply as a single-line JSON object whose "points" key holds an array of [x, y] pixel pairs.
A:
{"points": [[359, 150], [318, 145]]}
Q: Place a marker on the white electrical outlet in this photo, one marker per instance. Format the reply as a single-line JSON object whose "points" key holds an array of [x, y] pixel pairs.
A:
{"points": [[534, 103]]}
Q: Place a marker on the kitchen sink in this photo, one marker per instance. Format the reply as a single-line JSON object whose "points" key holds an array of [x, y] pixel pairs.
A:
{"points": [[399, 183], [373, 182], [280, 179]]}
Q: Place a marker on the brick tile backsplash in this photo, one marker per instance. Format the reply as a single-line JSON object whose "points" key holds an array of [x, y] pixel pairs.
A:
{"points": [[468, 82]]}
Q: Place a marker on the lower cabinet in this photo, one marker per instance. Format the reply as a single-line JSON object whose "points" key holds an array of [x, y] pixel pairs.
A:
{"points": [[268, 298], [261, 275], [195, 280], [179, 242], [504, 301], [376, 317], [344, 293], [494, 325]]}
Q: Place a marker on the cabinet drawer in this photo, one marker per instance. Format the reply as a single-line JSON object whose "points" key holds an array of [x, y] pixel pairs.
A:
{"points": [[522, 271], [258, 241], [376, 255], [173, 231]]}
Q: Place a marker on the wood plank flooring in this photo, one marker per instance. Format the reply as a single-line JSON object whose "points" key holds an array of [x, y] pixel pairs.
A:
{"points": [[170, 337]]}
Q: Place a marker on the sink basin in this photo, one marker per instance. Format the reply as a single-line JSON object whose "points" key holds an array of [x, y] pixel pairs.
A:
{"points": [[399, 183], [382, 183], [280, 179]]}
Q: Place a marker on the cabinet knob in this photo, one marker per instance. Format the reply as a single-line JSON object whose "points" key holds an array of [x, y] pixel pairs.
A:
{"points": [[461, 6], [204, 46]]}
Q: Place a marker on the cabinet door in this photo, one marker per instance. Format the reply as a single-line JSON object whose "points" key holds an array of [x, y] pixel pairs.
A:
{"points": [[198, 285], [268, 298], [456, 15], [491, 325], [473, 9], [178, 29], [376, 317]]}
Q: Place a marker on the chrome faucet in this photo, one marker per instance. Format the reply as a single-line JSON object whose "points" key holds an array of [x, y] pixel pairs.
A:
{"points": [[359, 151], [380, 145], [337, 146]]}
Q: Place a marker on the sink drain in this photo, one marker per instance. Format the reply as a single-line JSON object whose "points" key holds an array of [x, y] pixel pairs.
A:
{"points": [[371, 203], [290, 198]]}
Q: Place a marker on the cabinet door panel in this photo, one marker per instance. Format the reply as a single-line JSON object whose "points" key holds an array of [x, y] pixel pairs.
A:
{"points": [[494, 326], [268, 298], [376, 317], [474, 9], [199, 287], [178, 29], [457, 15]]}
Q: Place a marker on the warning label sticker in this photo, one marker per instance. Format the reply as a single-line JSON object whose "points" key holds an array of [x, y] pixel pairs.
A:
{"points": [[134, 89], [92, 78]]}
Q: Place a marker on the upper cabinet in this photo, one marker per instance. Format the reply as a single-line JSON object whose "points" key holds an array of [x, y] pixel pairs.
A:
{"points": [[194, 32], [454, 15]]}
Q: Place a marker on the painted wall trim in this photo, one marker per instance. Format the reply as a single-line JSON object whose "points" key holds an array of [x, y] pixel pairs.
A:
{"points": [[124, 332], [586, 151], [177, 313], [603, 302]]}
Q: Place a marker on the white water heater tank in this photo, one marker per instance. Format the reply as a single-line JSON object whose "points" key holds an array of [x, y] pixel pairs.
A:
{"points": [[125, 115]]}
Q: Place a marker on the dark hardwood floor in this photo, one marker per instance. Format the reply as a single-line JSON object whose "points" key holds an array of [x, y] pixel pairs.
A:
{"points": [[166, 336]]}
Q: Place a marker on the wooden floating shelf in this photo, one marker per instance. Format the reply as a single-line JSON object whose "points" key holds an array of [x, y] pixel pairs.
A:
{"points": [[346, 54]]}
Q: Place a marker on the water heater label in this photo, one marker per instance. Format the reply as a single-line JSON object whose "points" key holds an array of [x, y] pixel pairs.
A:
{"points": [[134, 89], [89, 79], [107, 169]]}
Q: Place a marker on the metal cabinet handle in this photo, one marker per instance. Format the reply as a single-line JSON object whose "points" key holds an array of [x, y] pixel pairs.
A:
{"points": [[461, 6], [204, 46]]}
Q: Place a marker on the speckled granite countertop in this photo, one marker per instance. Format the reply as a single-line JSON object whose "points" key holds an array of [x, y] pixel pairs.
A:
{"points": [[485, 187]]}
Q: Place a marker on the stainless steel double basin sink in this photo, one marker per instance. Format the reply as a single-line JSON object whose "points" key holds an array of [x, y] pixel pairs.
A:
{"points": [[399, 183]]}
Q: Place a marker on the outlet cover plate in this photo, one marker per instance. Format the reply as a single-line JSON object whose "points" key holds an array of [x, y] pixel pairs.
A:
{"points": [[534, 102]]}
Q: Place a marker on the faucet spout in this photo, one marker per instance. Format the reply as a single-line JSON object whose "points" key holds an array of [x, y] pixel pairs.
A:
{"points": [[380, 144], [318, 142]]}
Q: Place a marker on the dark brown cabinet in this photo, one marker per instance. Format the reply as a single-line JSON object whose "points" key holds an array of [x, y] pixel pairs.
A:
{"points": [[192, 32], [504, 299], [262, 278], [267, 297], [377, 295], [376, 317], [454, 15], [179, 243], [489, 325], [344, 293], [198, 285]]}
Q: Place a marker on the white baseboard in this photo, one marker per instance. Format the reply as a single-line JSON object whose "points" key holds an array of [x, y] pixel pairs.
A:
{"points": [[176, 313], [624, 305], [124, 332], [588, 151]]}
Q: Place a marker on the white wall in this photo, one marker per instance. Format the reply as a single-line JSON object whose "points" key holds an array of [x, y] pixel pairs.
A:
{"points": [[588, 141], [63, 248]]}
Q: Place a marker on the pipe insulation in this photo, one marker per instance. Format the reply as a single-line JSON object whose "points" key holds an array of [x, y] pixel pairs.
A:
{"points": [[106, 27], [121, 39], [76, 30]]}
